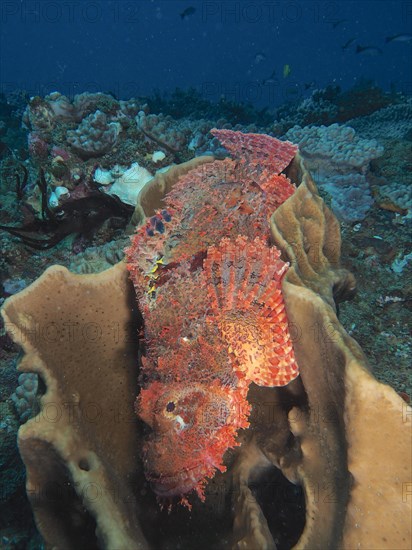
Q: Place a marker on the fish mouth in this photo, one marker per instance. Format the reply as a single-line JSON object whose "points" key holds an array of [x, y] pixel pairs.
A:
{"points": [[177, 484]]}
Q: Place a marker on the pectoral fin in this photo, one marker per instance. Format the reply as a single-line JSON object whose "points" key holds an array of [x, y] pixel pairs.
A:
{"points": [[244, 279]]}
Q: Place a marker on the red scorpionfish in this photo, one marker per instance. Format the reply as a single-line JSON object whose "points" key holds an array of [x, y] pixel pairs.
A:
{"points": [[208, 285]]}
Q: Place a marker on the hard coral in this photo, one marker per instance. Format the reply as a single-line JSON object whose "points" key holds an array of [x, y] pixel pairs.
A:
{"points": [[339, 160], [25, 397], [335, 149], [94, 136], [162, 130], [392, 122]]}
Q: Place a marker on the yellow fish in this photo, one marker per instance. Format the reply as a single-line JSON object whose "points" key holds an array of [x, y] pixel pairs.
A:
{"points": [[286, 70]]}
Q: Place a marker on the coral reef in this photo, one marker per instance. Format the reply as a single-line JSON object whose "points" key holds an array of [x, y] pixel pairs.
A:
{"points": [[162, 129], [72, 140], [25, 397], [55, 108], [334, 149], [86, 103], [351, 196], [339, 161], [378, 317], [39, 116], [38, 148], [192, 105], [392, 122], [82, 211], [11, 286], [335, 430], [95, 136], [398, 194], [11, 467], [95, 259], [333, 105]]}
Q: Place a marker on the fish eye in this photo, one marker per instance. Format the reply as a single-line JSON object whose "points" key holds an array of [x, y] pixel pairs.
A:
{"points": [[170, 407]]}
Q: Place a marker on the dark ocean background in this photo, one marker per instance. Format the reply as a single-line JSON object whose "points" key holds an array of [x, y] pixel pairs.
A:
{"points": [[133, 47]]}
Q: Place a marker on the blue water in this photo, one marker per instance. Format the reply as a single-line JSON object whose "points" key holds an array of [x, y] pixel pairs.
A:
{"points": [[267, 53], [133, 47]]}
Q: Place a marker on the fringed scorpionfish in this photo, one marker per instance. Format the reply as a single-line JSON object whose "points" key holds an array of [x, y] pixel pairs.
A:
{"points": [[208, 285]]}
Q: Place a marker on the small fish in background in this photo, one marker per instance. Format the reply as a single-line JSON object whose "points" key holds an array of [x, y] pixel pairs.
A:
{"points": [[62, 67], [272, 78], [336, 24], [187, 13], [398, 38], [286, 70], [368, 50], [348, 44], [259, 57]]}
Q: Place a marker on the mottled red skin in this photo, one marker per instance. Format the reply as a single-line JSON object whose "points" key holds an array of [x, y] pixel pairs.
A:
{"points": [[202, 267], [189, 436]]}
